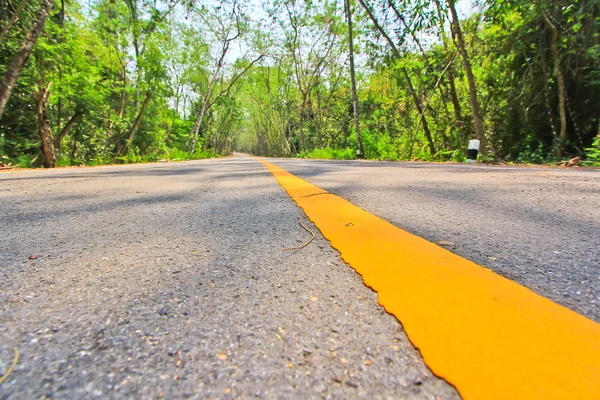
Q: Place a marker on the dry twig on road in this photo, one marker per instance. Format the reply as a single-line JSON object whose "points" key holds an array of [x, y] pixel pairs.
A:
{"points": [[14, 364], [305, 244]]}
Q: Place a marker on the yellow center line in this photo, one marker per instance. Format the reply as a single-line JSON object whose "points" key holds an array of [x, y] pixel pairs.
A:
{"points": [[488, 336]]}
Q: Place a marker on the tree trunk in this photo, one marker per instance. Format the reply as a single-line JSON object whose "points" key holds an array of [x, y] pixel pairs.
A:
{"points": [[136, 123], [175, 114], [410, 87], [203, 108], [18, 62], [135, 33], [197, 123], [561, 86], [122, 106], [361, 148], [301, 122], [450, 74], [62, 14], [209, 88], [453, 96], [65, 130], [477, 119], [41, 104], [74, 151]]}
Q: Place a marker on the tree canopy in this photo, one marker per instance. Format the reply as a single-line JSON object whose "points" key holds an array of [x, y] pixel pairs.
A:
{"points": [[135, 80]]}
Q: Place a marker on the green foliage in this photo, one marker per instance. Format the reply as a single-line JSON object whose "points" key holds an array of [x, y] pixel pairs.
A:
{"points": [[451, 155], [99, 160], [133, 156], [532, 151], [593, 153], [510, 51], [63, 161], [329, 154], [24, 161], [296, 100], [180, 155], [100, 66]]}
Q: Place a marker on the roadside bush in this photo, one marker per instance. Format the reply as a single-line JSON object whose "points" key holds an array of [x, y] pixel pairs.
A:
{"points": [[593, 153], [329, 154]]}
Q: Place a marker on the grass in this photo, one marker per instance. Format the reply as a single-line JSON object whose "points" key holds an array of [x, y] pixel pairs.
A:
{"points": [[132, 157], [350, 154], [329, 154]]}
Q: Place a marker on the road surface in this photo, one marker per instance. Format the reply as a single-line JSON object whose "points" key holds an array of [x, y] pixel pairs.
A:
{"points": [[537, 226], [172, 280]]}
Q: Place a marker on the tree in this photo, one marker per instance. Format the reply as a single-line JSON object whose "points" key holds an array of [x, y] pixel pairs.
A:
{"points": [[462, 48], [231, 27], [41, 100], [353, 81], [560, 80], [18, 62], [406, 75], [131, 80]]}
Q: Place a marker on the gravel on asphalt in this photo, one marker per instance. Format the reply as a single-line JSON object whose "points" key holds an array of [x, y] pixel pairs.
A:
{"points": [[170, 281]]}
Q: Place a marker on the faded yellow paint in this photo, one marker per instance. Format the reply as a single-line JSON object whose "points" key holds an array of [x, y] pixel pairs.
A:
{"points": [[488, 336]]}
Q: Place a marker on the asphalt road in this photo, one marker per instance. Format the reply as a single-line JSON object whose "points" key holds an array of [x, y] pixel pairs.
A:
{"points": [[171, 280], [539, 227]]}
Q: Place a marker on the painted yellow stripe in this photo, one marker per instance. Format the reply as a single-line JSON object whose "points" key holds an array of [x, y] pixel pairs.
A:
{"points": [[488, 336]]}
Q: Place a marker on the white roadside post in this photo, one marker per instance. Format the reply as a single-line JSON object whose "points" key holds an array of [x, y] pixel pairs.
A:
{"points": [[472, 150]]}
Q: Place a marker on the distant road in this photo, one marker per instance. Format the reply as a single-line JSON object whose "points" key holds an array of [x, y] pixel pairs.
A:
{"points": [[171, 280]]}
